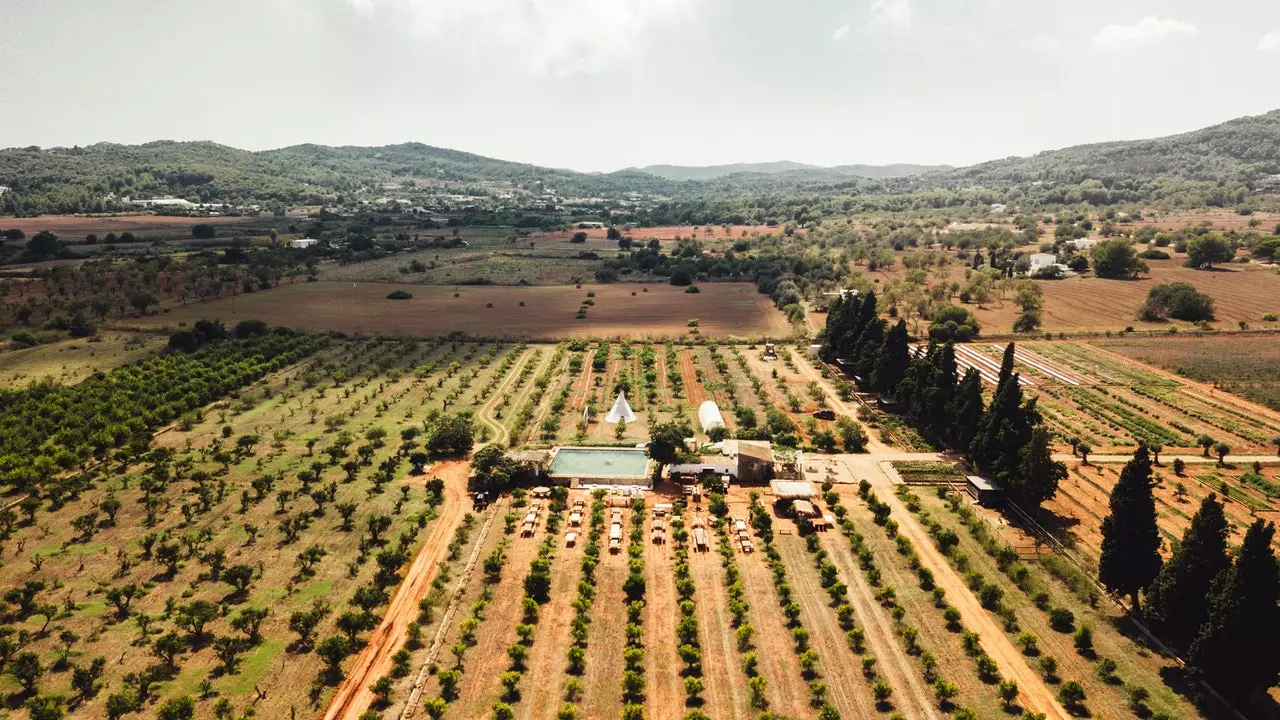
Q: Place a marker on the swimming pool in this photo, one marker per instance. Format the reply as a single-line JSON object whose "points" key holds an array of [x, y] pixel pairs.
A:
{"points": [[622, 463]]}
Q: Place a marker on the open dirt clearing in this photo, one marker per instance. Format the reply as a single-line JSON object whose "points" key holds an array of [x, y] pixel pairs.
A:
{"points": [[654, 311], [73, 226], [353, 695]]}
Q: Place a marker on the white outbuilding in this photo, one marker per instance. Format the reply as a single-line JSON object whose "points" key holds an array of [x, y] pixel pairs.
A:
{"points": [[709, 416], [302, 243]]}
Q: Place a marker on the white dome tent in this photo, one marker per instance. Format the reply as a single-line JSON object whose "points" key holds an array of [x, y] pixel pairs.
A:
{"points": [[620, 411], [709, 416]]}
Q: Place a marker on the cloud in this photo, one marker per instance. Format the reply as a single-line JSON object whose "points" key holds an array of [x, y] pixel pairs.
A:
{"points": [[546, 37], [891, 16], [1046, 44], [840, 32], [1270, 42], [1148, 31]]}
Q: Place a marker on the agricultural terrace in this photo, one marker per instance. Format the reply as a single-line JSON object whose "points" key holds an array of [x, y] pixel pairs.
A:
{"points": [[1245, 366], [726, 310], [1100, 398], [1075, 515]]}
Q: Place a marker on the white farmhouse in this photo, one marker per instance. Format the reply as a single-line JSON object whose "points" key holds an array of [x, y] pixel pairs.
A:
{"points": [[1040, 261], [302, 243]]}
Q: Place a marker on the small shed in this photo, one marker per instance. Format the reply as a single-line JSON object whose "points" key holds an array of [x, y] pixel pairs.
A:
{"points": [[985, 491], [804, 508]]}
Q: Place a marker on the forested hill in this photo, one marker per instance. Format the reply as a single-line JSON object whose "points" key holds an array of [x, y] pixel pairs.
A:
{"points": [[1217, 165], [78, 179], [1239, 150], [799, 171]]}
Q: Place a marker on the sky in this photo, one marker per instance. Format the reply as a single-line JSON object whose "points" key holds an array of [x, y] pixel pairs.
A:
{"points": [[598, 85]]}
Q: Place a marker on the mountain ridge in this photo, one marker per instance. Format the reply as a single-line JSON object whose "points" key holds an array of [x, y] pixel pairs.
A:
{"points": [[715, 172], [1237, 156]]}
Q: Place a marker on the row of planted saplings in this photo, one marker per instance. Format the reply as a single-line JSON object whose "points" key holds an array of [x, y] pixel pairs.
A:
{"points": [[1071, 693], [581, 625], [944, 690], [689, 648], [537, 592], [633, 588], [450, 680], [426, 612], [805, 655], [739, 612]]}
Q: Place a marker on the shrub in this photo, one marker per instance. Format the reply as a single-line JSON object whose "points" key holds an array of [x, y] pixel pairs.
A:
{"points": [[1084, 640], [1071, 694], [400, 295], [692, 290], [1062, 619], [1176, 300]]}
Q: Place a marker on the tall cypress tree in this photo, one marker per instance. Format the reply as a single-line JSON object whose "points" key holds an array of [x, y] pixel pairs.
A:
{"points": [[996, 426], [895, 357], [869, 345], [867, 313], [937, 420], [1130, 556], [1006, 368], [1038, 473], [965, 411], [1178, 600], [1238, 649]]}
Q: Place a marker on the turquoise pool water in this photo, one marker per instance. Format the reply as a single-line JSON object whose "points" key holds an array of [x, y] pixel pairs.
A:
{"points": [[599, 462]]}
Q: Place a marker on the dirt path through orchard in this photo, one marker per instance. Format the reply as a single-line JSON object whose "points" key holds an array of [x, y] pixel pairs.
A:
{"points": [[503, 390], [1033, 693], [353, 696], [808, 372]]}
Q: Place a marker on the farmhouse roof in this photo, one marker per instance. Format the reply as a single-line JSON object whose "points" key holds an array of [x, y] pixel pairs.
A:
{"points": [[756, 450]]}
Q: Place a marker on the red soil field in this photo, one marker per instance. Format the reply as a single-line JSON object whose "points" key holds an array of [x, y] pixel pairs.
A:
{"points": [[80, 225], [724, 310]]}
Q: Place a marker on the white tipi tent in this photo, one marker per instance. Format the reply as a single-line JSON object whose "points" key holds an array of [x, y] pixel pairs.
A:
{"points": [[621, 411]]}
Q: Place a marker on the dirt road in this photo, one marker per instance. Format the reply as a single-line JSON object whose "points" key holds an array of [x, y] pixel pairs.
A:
{"points": [[499, 428], [810, 373], [1034, 694], [353, 696]]}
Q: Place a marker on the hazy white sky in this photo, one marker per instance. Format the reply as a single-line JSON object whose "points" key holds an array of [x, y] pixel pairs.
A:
{"points": [[604, 84]]}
